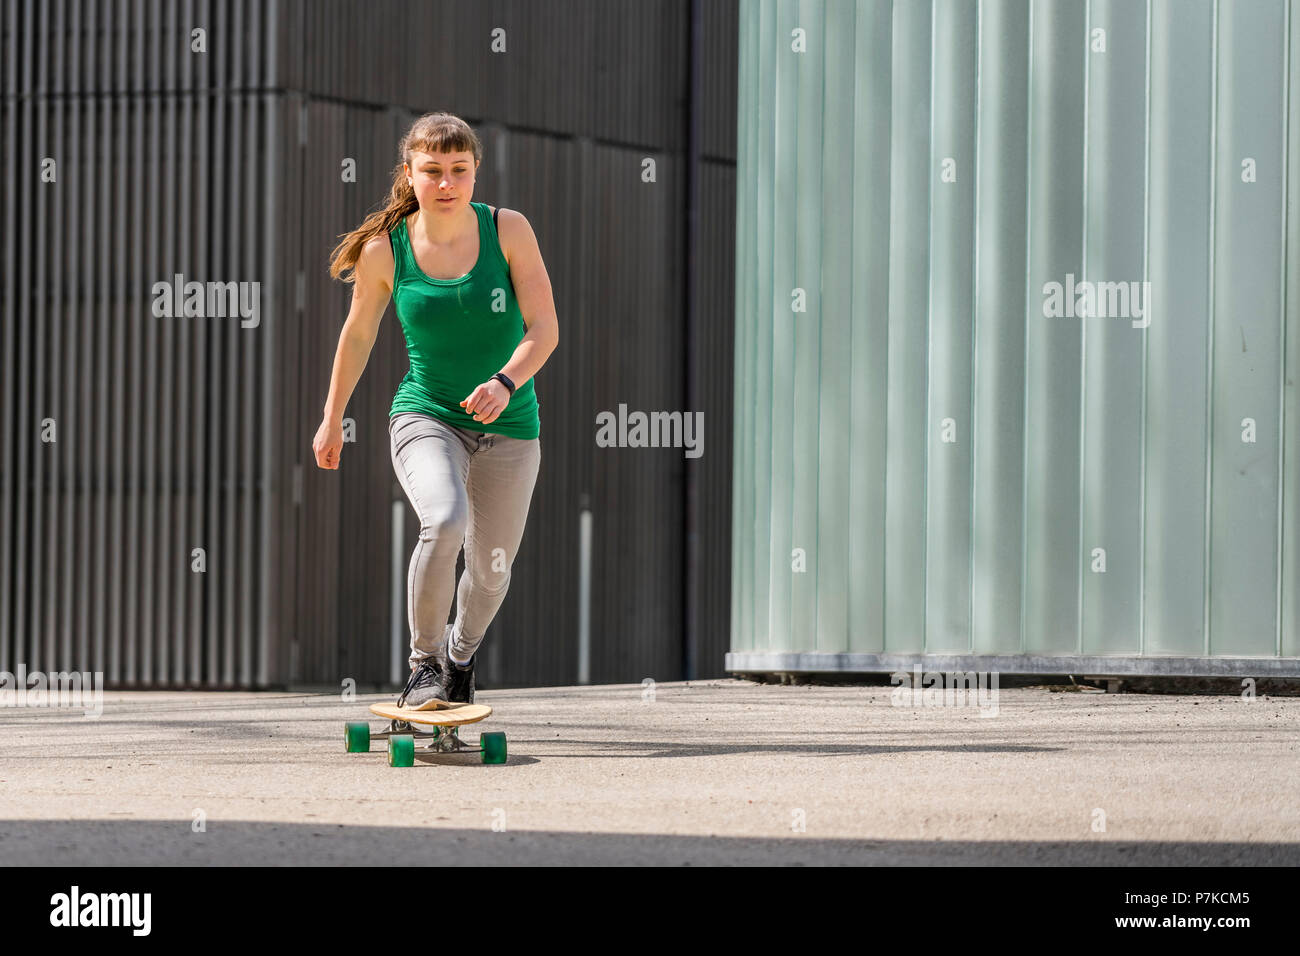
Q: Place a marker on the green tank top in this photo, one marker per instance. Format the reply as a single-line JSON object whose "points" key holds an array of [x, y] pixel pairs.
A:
{"points": [[459, 333]]}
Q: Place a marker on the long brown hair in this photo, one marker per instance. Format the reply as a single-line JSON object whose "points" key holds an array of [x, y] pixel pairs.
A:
{"points": [[431, 133]]}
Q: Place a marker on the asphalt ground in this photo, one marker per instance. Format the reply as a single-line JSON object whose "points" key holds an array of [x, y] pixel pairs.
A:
{"points": [[697, 773]]}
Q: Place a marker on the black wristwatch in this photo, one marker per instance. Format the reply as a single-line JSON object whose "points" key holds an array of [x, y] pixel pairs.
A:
{"points": [[500, 377]]}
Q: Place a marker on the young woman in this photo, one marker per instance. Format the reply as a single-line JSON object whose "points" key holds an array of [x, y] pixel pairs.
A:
{"points": [[472, 294]]}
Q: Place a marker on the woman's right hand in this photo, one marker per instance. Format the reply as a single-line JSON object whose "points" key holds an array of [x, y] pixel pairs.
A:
{"points": [[328, 444]]}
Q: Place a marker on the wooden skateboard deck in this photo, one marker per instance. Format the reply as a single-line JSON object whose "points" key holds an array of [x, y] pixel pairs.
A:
{"points": [[452, 716]]}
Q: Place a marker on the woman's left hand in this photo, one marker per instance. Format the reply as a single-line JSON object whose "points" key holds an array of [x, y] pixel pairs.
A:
{"points": [[487, 402]]}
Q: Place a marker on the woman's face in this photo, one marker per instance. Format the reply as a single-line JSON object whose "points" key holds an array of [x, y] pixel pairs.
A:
{"points": [[443, 182]]}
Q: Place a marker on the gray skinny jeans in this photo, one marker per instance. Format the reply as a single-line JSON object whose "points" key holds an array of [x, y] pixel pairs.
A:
{"points": [[466, 487]]}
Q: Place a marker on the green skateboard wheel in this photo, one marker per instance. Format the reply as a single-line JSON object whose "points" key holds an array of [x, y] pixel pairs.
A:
{"points": [[401, 750], [494, 747], [356, 735]]}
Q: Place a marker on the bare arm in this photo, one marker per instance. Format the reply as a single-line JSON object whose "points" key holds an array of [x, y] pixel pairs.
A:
{"points": [[537, 307], [536, 301], [370, 295]]}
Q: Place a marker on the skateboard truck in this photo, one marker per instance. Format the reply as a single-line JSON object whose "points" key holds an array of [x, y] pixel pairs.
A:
{"points": [[441, 740]]}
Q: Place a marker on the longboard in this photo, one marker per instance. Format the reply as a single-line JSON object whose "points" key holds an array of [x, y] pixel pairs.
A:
{"points": [[452, 716], [442, 733]]}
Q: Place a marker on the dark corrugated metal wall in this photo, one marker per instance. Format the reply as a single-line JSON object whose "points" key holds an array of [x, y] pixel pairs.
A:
{"points": [[160, 443], [182, 433]]}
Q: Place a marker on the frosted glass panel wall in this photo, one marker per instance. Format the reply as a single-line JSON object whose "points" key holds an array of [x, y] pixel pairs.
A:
{"points": [[1017, 342]]}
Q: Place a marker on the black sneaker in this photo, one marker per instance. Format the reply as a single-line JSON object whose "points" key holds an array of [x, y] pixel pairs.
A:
{"points": [[457, 681], [423, 690]]}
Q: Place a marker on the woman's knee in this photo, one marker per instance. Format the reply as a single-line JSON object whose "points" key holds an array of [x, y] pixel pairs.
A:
{"points": [[445, 525]]}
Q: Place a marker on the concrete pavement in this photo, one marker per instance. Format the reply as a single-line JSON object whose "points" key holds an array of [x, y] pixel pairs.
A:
{"points": [[698, 773]]}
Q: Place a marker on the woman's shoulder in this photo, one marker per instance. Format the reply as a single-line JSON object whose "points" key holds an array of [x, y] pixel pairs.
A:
{"points": [[509, 223], [376, 259]]}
